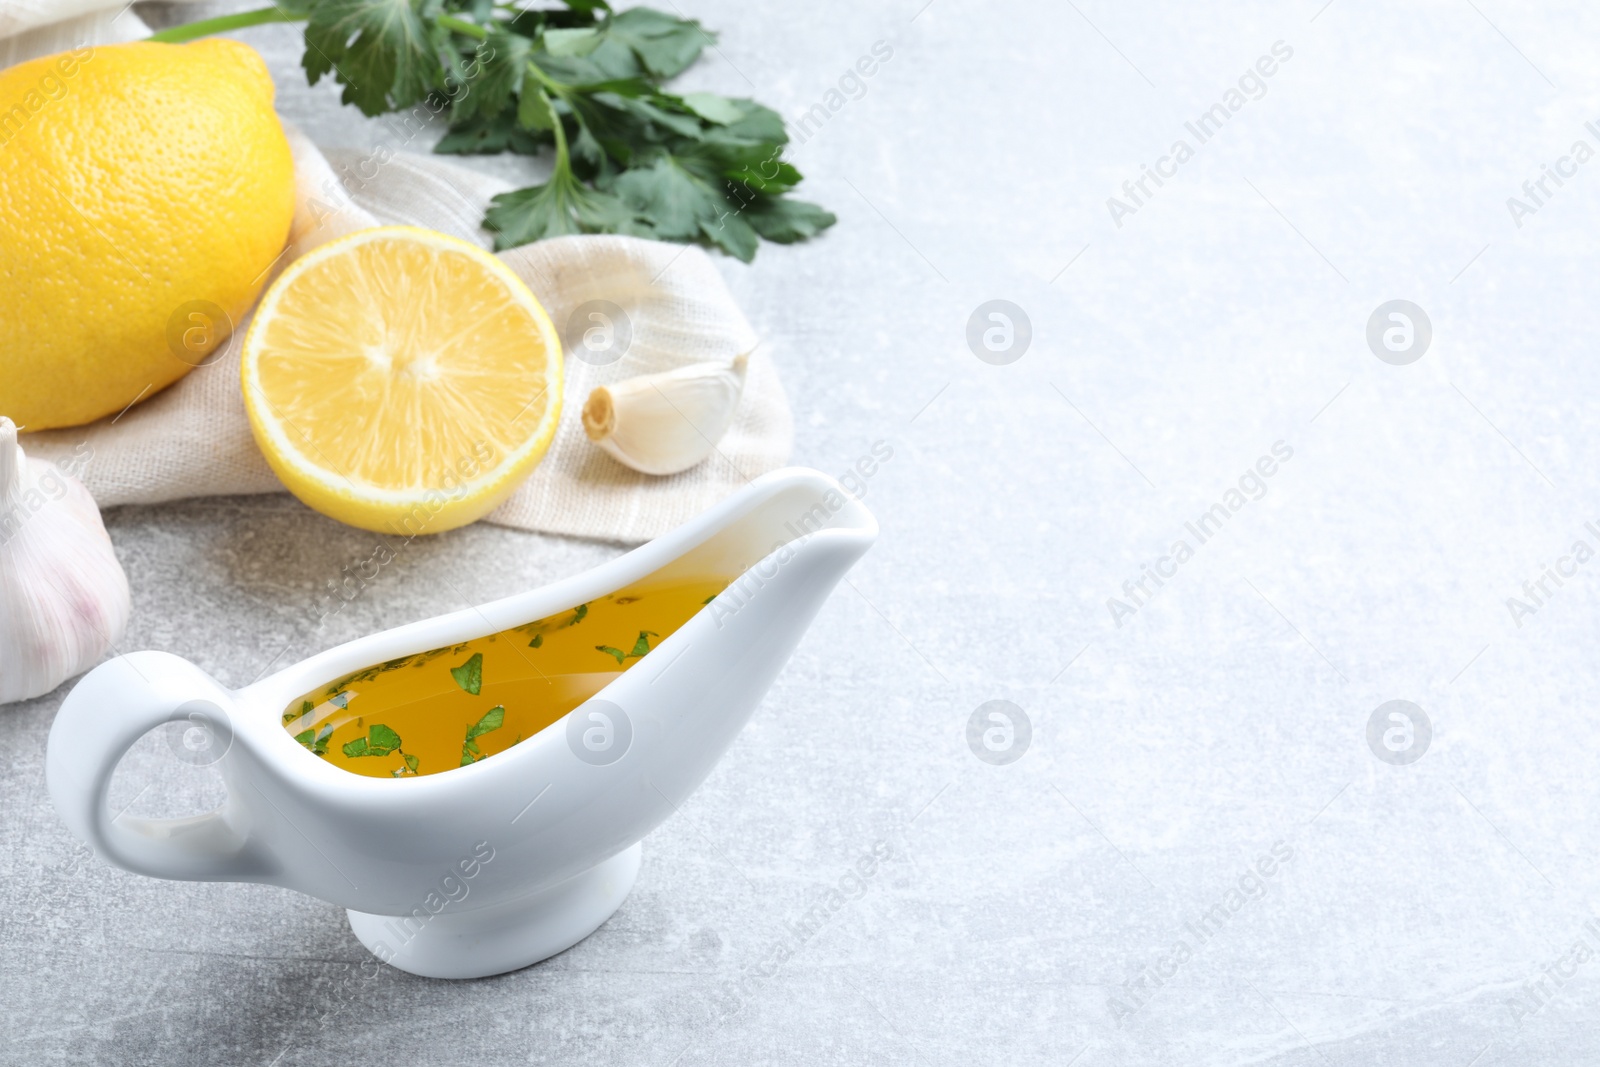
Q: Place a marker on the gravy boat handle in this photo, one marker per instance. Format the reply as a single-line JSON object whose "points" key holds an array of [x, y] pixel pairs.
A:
{"points": [[111, 708]]}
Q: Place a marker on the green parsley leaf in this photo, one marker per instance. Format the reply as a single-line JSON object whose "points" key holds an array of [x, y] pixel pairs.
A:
{"points": [[768, 176], [502, 64], [538, 640], [559, 207], [469, 675], [784, 221], [491, 136], [648, 121], [609, 62], [759, 123], [641, 647], [492, 719], [714, 108], [386, 53], [579, 42], [683, 206], [380, 741], [733, 235], [664, 45], [534, 111]]}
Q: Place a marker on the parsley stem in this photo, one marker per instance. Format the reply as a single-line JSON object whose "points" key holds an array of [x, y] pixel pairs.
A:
{"points": [[557, 127], [191, 31], [471, 29], [561, 89]]}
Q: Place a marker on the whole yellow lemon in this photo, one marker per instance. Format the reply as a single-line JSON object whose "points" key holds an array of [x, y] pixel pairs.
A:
{"points": [[145, 191]]}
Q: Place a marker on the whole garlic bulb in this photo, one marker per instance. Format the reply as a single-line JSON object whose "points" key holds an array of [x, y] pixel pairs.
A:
{"points": [[665, 423], [63, 595]]}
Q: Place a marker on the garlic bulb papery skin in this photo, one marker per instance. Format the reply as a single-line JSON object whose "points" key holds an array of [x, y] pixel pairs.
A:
{"points": [[666, 423], [63, 595]]}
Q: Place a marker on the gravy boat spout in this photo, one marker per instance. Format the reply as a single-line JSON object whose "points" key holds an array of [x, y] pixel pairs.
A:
{"points": [[510, 857]]}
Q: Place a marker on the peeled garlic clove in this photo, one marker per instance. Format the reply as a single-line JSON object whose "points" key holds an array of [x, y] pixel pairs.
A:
{"points": [[665, 423], [63, 596]]}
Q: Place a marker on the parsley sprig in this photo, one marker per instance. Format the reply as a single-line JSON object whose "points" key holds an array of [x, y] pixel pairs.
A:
{"points": [[581, 81]]}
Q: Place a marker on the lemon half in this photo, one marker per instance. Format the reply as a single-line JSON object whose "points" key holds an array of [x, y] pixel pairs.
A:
{"points": [[401, 380]]}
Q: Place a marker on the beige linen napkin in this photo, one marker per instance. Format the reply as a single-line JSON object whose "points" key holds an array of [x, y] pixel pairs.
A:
{"points": [[193, 439]]}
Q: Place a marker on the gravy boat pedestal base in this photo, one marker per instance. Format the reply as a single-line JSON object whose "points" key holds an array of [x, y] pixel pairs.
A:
{"points": [[513, 857], [505, 937]]}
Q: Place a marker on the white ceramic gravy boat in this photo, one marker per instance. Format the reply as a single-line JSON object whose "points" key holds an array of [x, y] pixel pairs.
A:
{"points": [[496, 865]]}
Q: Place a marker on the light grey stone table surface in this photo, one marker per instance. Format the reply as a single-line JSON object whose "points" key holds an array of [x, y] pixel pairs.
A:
{"points": [[1205, 855]]}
